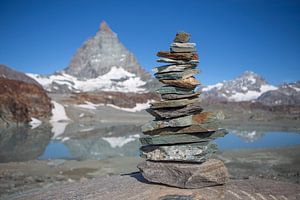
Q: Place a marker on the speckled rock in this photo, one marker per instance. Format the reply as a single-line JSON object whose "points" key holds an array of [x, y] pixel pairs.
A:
{"points": [[174, 90], [185, 175], [178, 56], [180, 96], [173, 103], [173, 68], [183, 47], [193, 152], [182, 37]]}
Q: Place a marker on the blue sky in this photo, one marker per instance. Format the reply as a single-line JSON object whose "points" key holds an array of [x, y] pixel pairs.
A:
{"points": [[41, 36]]}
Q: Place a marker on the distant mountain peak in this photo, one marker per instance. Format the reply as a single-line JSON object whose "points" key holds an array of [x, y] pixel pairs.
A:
{"points": [[104, 27], [246, 87]]}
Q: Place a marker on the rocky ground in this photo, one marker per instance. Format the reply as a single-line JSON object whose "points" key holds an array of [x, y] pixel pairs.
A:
{"points": [[250, 168], [133, 186]]}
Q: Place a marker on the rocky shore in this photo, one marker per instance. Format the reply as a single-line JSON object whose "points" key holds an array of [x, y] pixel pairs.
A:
{"points": [[31, 179]]}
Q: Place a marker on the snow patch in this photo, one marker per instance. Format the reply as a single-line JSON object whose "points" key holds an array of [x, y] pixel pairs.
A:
{"points": [[210, 87], [88, 105], [59, 119], [117, 79], [120, 141], [138, 107], [34, 123]]}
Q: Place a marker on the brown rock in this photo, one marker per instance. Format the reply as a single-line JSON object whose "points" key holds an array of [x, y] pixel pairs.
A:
{"points": [[179, 96], [185, 175], [178, 56], [120, 99], [182, 37], [19, 101], [189, 82]]}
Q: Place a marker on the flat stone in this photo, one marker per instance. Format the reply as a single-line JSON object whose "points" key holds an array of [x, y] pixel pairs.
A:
{"points": [[179, 96], [202, 128], [185, 175], [204, 117], [178, 56], [177, 197], [180, 62], [183, 47], [172, 103], [173, 68], [194, 152], [189, 82], [181, 138], [174, 90], [182, 37], [177, 75], [164, 113]]}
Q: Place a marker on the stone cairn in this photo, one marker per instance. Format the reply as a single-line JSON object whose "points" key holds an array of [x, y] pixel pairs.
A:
{"points": [[178, 143]]}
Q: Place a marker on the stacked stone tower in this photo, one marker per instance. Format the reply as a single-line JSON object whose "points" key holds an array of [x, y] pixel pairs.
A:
{"points": [[178, 144]]}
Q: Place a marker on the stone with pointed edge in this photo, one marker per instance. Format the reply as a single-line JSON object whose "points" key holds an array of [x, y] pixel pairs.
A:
{"points": [[176, 75]]}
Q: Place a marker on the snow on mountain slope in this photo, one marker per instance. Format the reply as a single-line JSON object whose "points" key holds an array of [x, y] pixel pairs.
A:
{"points": [[248, 86], [117, 79]]}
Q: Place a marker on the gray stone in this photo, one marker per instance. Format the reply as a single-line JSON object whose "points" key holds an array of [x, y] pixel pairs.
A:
{"points": [[185, 175], [179, 96], [182, 37], [173, 103], [174, 90], [193, 152], [183, 47], [204, 117], [201, 128], [176, 75], [180, 62], [176, 197], [181, 138], [163, 113], [173, 68]]}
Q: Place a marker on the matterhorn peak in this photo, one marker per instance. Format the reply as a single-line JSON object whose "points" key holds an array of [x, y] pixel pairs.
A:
{"points": [[104, 27]]}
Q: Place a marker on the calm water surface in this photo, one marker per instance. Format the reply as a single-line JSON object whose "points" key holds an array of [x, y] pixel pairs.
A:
{"points": [[26, 144]]}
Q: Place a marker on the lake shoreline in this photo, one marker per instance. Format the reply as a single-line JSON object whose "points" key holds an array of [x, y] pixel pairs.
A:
{"points": [[280, 164]]}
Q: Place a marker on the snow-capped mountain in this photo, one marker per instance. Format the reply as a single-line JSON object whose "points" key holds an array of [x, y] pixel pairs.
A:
{"points": [[286, 94], [117, 79], [248, 86], [101, 63]]}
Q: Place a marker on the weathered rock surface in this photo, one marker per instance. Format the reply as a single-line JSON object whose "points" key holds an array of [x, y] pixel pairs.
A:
{"points": [[181, 138], [185, 175], [100, 53], [182, 37], [178, 56], [189, 109], [183, 47], [204, 117], [176, 75], [173, 68], [173, 103], [180, 62], [189, 82], [200, 128], [193, 152], [20, 101], [174, 90], [179, 96]]}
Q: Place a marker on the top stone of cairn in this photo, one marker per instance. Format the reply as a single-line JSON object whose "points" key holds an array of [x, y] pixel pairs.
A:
{"points": [[182, 37]]}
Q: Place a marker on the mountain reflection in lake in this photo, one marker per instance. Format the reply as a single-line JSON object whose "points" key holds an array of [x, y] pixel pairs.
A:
{"points": [[20, 144], [23, 143]]}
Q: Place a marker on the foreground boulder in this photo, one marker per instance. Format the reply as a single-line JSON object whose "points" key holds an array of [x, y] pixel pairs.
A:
{"points": [[185, 175]]}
